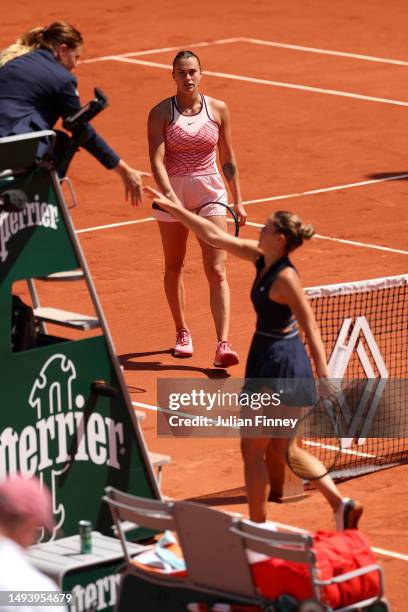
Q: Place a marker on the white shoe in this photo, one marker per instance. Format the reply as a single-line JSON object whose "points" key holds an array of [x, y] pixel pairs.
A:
{"points": [[348, 514]]}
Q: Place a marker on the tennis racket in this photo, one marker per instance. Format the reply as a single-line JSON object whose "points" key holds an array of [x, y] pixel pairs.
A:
{"points": [[315, 444], [232, 216]]}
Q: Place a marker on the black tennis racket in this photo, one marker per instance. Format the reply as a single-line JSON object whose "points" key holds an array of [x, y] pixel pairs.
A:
{"points": [[232, 216], [315, 444]]}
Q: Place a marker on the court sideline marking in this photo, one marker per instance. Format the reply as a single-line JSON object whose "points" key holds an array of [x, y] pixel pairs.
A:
{"points": [[283, 197], [248, 79], [127, 57], [365, 245], [253, 224], [209, 43], [110, 225], [385, 179], [255, 41], [359, 56], [380, 551], [344, 451]]}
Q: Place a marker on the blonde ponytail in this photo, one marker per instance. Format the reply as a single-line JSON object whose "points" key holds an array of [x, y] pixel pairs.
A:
{"points": [[29, 41], [48, 37]]}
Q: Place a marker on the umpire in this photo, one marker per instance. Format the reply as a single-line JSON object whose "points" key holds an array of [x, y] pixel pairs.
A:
{"points": [[37, 88]]}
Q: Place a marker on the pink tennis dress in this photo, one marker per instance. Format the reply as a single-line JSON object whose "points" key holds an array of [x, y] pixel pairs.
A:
{"points": [[190, 161]]}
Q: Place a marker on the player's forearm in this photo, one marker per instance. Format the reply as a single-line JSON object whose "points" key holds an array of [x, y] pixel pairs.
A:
{"points": [[202, 228], [162, 179], [230, 171]]}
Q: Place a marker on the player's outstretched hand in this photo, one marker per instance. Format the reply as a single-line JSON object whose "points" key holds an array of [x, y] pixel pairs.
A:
{"points": [[241, 213], [163, 201], [133, 182]]}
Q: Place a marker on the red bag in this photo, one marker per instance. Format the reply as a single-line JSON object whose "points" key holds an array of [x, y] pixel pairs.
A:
{"points": [[336, 553]]}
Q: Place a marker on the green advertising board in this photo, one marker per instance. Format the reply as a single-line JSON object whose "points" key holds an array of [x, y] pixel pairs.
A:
{"points": [[56, 421]]}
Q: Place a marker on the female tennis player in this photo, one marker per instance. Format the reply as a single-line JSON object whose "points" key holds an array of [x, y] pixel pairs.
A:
{"points": [[277, 351], [37, 88], [183, 133]]}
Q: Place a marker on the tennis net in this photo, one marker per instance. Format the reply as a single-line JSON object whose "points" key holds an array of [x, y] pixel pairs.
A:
{"points": [[364, 329]]}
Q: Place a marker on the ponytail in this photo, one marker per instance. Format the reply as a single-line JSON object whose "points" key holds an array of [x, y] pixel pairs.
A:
{"points": [[48, 37], [294, 230]]}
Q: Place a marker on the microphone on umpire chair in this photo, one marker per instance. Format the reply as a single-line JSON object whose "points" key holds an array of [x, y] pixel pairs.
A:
{"points": [[13, 200]]}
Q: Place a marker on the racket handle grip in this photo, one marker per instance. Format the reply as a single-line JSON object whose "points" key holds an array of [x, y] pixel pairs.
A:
{"points": [[156, 206], [337, 365]]}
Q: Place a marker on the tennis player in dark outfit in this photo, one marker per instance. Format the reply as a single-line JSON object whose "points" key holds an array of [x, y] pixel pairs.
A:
{"points": [[276, 350], [37, 88]]}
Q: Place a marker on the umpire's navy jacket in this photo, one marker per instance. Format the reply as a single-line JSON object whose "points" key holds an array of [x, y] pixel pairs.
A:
{"points": [[35, 91]]}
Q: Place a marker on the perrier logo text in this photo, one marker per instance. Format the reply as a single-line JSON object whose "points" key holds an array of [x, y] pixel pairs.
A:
{"points": [[35, 213], [60, 434]]}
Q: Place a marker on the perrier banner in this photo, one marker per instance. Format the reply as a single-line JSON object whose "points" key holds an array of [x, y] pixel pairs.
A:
{"points": [[54, 423]]}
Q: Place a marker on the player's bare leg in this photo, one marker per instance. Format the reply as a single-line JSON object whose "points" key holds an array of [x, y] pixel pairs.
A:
{"points": [[174, 241], [347, 512], [257, 482], [214, 267], [308, 464]]}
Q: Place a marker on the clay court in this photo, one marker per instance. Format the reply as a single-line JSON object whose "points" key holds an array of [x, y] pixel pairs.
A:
{"points": [[318, 99]]}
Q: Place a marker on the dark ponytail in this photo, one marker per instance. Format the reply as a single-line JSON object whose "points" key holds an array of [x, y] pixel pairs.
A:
{"points": [[294, 230]]}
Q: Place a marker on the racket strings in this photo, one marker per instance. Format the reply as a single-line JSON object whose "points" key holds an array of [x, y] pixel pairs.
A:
{"points": [[304, 463], [316, 444]]}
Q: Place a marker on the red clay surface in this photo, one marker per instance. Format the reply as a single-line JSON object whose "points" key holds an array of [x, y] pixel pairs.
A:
{"points": [[287, 141]]}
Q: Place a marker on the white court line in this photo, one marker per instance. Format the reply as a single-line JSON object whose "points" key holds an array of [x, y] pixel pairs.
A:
{"points": [[284, 197], [247, 79], [120, 224], [359, 56], [252, 224], [255, 41], [345, 451], [390, 553], [327, 189], [365, 245], [221, 41], [379, 551]]}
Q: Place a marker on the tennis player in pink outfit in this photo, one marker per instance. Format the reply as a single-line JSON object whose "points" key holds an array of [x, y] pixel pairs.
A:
{"points": [[184, 132]]}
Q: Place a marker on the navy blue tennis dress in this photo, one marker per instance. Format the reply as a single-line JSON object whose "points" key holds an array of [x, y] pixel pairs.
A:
{"points": [[276, 356]]}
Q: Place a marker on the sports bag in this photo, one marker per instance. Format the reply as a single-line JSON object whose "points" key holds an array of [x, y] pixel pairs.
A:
{"points": [[336, 553]]}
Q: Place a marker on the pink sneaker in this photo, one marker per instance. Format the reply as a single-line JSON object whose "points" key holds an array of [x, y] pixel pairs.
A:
{"points": [[224, 355], [184, 344]]}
